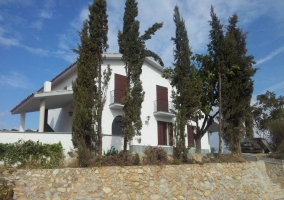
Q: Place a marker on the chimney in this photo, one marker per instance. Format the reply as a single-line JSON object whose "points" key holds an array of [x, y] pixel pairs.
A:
{"points": [[47, 86]]}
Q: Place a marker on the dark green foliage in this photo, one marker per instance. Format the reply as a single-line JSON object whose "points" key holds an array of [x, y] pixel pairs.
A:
{"points": [[111, 152], [155, 156], [98, 29], [29, 154], [238, 86], [133, 50], [89, 89], [136, 159], [186, 82], [83, 94]]}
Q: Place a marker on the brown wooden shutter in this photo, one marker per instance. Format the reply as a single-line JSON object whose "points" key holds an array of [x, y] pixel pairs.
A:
{"points": [[162, 98], [171, 134], [190, 136], [119, 87], [161, 136]]}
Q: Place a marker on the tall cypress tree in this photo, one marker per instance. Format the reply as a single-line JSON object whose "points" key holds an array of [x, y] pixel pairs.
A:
{"points": [[83, 94], [133, 50], [238, 87], [98, 29], [186, 82]]}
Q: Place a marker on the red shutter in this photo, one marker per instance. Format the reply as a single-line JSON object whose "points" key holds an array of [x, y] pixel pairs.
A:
{"points": [[190, 136], [119, 87], [162, 98], [171, 134], [161, 136]]}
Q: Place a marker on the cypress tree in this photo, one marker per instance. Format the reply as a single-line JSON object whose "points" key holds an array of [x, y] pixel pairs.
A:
{"points": [[186, 82], [238, 87], [133, 50], [83, 94], [98, 29]]}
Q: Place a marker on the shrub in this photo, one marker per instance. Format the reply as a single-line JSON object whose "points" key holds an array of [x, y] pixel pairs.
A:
{"points": [[136, 159], [155, 156], [84, 155], [176, 162], [32, 154], [111, 152]]}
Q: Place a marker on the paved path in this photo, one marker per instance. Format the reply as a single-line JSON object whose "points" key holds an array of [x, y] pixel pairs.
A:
{"points": [[253, 157]]}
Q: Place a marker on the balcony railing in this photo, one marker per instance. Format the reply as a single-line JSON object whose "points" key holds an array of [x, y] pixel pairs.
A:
{"points": [[115, 98], [163, 107]]}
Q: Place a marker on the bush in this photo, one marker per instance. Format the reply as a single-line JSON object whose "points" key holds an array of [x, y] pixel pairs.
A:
{"points": [[84, 155], [111, 152], [136, 159], [32, 154], [155, 156], [276, 129]]}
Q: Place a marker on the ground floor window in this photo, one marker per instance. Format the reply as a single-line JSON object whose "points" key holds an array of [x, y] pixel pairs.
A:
{"points": [[165, 133], [117, 126]]}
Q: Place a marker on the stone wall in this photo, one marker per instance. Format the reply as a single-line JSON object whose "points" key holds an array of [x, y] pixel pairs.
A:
{"points": [[275, 172], [208, 181]]}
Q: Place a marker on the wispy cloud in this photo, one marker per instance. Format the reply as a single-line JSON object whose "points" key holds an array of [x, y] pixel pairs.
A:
{"points": [[46, 14], [15, 79], [270, 56], [276, 87], [37, 25], [1, 18], [6, 41]]}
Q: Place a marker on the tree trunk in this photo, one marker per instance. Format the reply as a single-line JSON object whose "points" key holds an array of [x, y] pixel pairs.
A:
{"points": [[197, 145], [220, 117], [125, 148]]}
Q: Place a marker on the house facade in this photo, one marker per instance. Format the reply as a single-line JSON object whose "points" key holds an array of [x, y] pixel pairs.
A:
{"points": [[54, 102]]}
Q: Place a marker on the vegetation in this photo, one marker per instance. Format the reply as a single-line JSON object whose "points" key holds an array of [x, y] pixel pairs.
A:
{"points": [[98, 29], [155, 156], [30, 154], [89, 89], [111, 152], [133, 50], [186, 83], [83, 134]]}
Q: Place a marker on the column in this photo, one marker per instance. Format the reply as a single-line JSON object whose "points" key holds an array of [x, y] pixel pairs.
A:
{"points": [[41, 115], [22, 122]]}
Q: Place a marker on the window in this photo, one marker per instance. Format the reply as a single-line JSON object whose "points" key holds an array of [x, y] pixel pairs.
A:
{"points": [[165, 133], [117, 126]]}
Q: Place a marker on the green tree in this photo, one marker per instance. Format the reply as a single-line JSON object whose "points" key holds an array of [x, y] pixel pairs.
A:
{"points": [[133, 50], [210, 69], [83, 94], [268, 117], [186, 84], [98, 29], [238, 86]]}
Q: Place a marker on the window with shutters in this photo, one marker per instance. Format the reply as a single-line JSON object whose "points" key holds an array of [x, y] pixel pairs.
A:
{"points": [[119, 87], [165, 133]]}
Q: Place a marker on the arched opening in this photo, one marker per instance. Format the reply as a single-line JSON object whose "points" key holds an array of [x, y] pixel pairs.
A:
{"points": [[117, 126]]}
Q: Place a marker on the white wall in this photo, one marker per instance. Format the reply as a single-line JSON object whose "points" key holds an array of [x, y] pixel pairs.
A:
{"points": [[60, 121]]}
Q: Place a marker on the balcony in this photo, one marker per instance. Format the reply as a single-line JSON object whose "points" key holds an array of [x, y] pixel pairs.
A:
{"points": [[163, 108], [115, 99]]}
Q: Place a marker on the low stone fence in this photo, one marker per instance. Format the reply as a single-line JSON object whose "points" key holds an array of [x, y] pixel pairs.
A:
{"points": [[208, 181], [275, 172]]}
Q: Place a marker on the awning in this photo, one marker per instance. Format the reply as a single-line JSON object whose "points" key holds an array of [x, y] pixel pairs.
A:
{"points": [[53, 99]]}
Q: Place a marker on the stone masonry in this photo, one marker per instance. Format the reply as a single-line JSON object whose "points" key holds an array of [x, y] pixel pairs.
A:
{"points": [[209, 181]]}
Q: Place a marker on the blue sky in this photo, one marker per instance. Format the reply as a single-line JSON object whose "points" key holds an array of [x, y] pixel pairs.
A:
{"points": [[36, 38]]}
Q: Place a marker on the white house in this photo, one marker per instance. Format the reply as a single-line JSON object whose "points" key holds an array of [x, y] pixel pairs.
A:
{"points": [[54, 103]]}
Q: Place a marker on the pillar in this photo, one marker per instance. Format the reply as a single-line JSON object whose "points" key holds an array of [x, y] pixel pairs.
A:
{"points": [[41, 115], [22, 122]]}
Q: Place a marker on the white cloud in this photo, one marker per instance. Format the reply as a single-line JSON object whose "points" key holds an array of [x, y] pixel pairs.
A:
{"points": [[270, 55], [37, 25], [16, 80], [7, 41], [46, 14], [39, 51], [2, 114], [276, 87]]}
